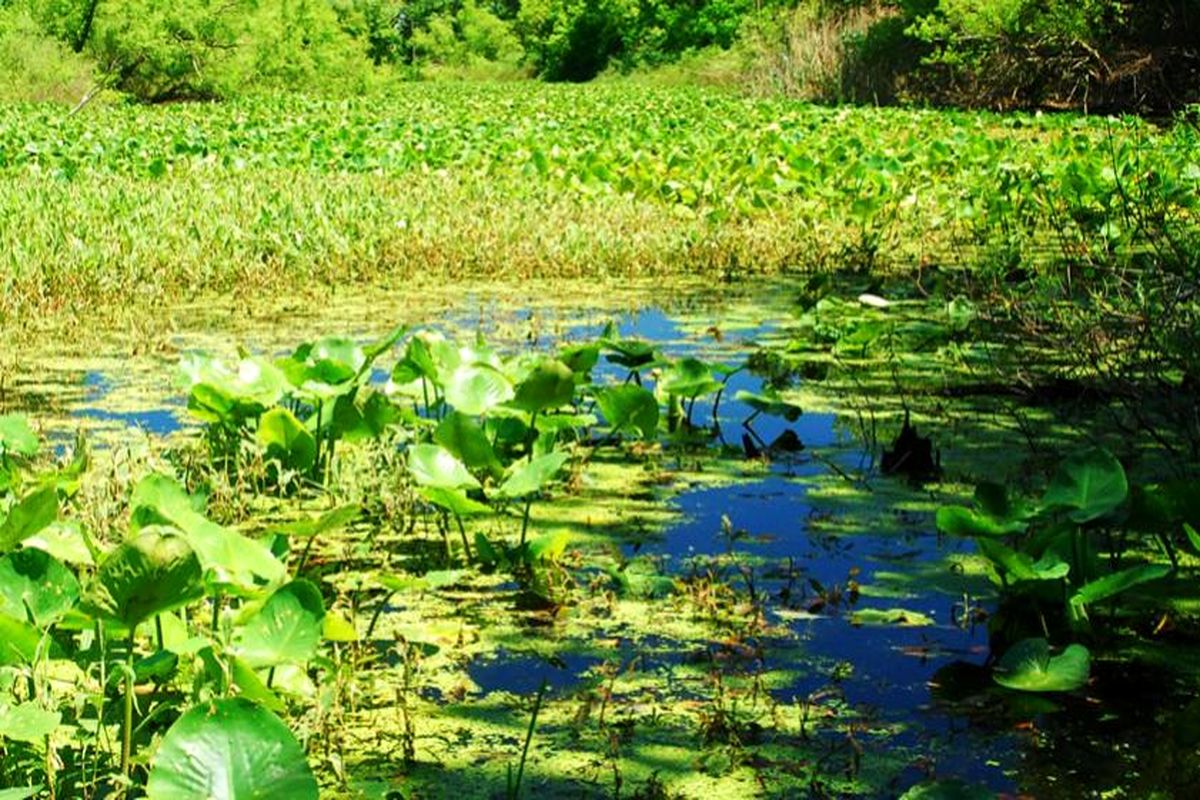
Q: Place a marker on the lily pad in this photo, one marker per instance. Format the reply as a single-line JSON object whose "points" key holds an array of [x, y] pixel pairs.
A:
{"points": [[532, 476], [229, 558], [284, 438], [689, 377], [770, 403], [1028, 666], [230, 749], [1090, 484], [286, 630], [551, 384], [902, 617], [476, 389], [435, 466], [34, 583], [961, 521], [153, 572], [628, 407]]}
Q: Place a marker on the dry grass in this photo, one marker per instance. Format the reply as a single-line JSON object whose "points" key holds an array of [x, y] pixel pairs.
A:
{"points": [[804, 52]]}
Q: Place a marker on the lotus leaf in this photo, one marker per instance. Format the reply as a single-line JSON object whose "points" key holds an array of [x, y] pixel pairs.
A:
{"points": [[286, 630], [230, 749], [1028, 666], [153, 572]]}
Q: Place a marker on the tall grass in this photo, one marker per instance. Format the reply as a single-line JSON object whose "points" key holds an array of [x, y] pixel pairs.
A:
{"points": [[808, 52]]}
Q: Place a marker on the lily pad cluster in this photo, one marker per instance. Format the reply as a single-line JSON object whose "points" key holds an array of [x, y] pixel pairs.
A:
{"points": [[1089, 552]]}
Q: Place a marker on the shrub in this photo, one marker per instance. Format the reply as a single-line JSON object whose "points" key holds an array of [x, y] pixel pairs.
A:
{"points": [[34, 65]]}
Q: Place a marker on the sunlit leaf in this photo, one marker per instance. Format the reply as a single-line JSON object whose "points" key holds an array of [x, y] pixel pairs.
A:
{"points": [[230, 749]]}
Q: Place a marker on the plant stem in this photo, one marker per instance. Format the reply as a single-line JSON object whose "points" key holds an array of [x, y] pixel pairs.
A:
{"points": [[463, 532], [533, 434], [515, 790], [375, 616], [50, 769], [304, 555], [525, 518], [317, 436], [127, 727], [216, 616]]}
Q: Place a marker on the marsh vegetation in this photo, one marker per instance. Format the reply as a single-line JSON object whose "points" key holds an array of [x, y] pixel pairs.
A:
{"points": [[625, 440]]}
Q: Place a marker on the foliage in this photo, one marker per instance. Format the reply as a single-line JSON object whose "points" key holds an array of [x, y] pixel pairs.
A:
{"points": [[231, 749], [33, 64], [1071, 551]]}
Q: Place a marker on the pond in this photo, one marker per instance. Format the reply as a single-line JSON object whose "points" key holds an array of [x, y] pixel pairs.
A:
{"points": [[773, 617]]}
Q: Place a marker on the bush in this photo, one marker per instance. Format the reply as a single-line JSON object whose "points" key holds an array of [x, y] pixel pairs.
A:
{"points": [[297, 44], [34, 65], [473, 37]]}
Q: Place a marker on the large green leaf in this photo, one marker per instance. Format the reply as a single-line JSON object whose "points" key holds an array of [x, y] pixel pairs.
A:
{"points": [[1019, 567], [230, 558], [454, 501], [28, 516], [628, 353], [331, 360], [582, 359], [286, 630], [1089, 485], [356, 421], [27, 722], [36, 586], [1117, 583], [66, 541], [230, 394], [551, 384], [531, 476], [17, 437], [230, 749], [417, 363], [435, 466], [629, 407], [19, 641], [464, 437], [769, 402], [20, 792], [252, 687], [476, 389], [549, 547], [285, 439], [1027, 666], [961, 521], [153, 572], [689, 377]]}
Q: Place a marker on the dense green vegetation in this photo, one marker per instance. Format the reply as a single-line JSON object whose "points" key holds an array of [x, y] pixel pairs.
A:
{"points": [[147, 204], [861, 462], [1110, 54]]}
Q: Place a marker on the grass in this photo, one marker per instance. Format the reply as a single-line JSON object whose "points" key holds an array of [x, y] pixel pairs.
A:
{"points": [[120, 209]]}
